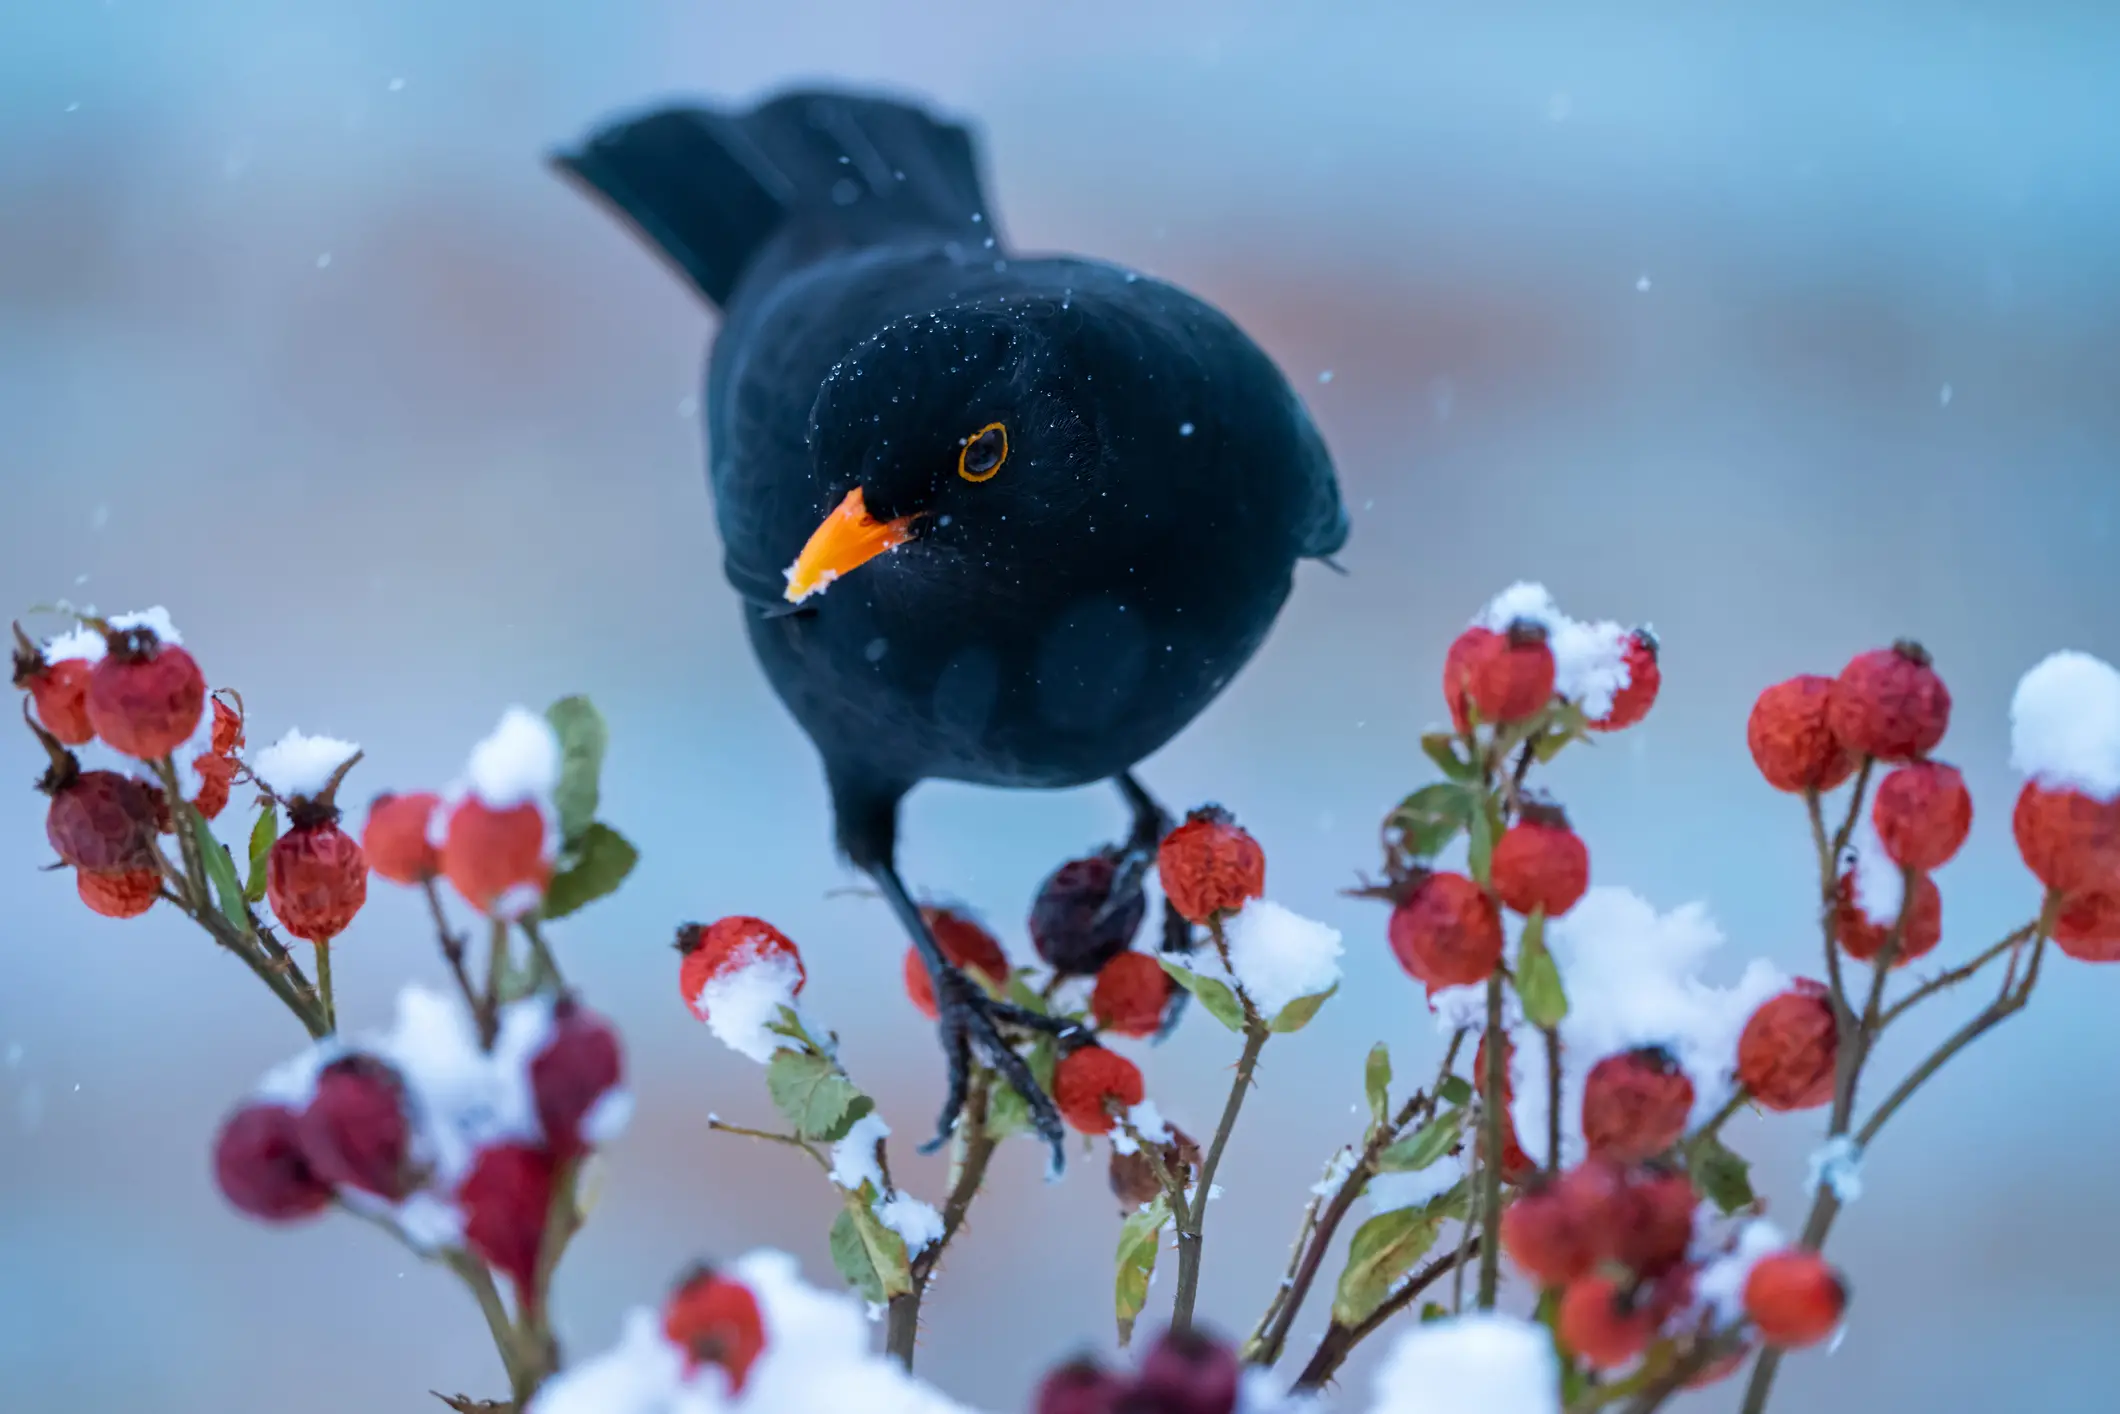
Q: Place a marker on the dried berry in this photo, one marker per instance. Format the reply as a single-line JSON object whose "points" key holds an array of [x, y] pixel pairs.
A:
{"points": [[2069, 840], [126, 895], [2088, 926], [1863, 937], [59, 691], [227, 737], [1791, 741], [100, 821], [1923, 814], [1635, 1104], [1504, 677], [1645, 676], [1209, 866], [1188, 1373], [1889, 703], [1606, 1324], [396, 841], [356, 1132], [1070, 925], [726, 946], [145, 697], [716, 1321], [970, 947], [497, 858], [1131, 995], [1788, 1050], [1446, 932], [1086, 1080], [217, 776], [506, 1199], [579, 1065], [316, 880], [260, 1166], [1795, 1298], [1539, 863], [1133, 1176], [1078, 1387]]}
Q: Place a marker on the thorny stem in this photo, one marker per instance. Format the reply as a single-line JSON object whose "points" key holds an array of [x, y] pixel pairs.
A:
{"points": [[1828, 890], [1339, 1341], [720, 1126], [452, 946], [1952, 978], [331, 1009], [1254, 1349], [1737, 1101], [1553, 1099], [975, 1149], [1491, 1117], [1192, 1223]]}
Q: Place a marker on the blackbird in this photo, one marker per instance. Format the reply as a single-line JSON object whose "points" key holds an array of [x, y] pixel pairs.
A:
{"points": [[1006, 520]]}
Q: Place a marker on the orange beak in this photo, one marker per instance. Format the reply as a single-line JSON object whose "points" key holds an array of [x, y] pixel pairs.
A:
{"points": [[849, 538]]}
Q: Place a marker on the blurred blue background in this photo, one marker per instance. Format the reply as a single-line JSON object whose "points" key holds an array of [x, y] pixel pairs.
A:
{"points": [[1787, 328]]}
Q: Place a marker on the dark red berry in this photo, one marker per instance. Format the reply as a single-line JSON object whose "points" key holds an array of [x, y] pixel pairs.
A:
{"points": [[1791, 741], [126, 895], [1078, 1387], [1922, 814], [1069, 925], [1446, 932], [316, 880], [506, 1199], [1606, 1324], [2087, 928], [1088, 1081], [2069, 840], [1540, 863], [716, 1321], [100, 821], [261, 1168], [1649, 1223], [356, 1131], [1862, 938], [1788, 1050], [1131, 995], [1645, 676], [579, 1065], [1210, 866], [145, 697], [1189, 1373], [1133, 1176], [1889, 703], [1504, 677], [1635, 1104]]}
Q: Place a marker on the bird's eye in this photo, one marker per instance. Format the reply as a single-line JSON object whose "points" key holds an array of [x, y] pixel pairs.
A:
{"points": [[982, 453]]}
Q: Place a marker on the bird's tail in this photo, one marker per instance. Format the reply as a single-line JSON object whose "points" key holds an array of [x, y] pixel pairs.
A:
{"points": [[802, 174]]}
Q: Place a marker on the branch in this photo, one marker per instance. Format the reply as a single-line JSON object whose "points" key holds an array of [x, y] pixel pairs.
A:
{"points": [[1339, 1341], [1492, 1115], [1190, 1227]]}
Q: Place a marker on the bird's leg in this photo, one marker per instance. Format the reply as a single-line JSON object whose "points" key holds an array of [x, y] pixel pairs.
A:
{"points": [[970, 1020], [1151, 823]]}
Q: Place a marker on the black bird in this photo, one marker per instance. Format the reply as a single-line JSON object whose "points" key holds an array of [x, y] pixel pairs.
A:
{"points": [[1012, 521]]}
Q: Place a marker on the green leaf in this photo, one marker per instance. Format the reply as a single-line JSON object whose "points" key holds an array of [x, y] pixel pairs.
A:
{"points": [[1140, 1239], [1384, 1249], [1430, 818], [1297, 1014], [1433, 1311], [262, 837], [1720, 1173], [221, 869], [1376, 1080], [583, 738], [1538, 980], [819, 1101], [1214, 994], [594, 865], [1486, 829], [1008, 1113], [1424, 1147], [869, 1255], [1453, 1202], [1455, 1090], [1019, 992], [1442, 748]]}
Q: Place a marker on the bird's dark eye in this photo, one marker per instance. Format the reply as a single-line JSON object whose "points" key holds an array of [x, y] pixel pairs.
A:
{"points": [[983, 452]]}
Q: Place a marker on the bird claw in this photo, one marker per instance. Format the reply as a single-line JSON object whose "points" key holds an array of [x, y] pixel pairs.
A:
{"points": [[970, 1020]]}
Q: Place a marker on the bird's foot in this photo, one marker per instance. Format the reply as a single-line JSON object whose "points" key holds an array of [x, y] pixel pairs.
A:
{"points": [[970, 1022]]}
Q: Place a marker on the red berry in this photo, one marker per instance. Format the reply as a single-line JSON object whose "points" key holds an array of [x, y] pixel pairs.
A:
{"points": [[1134, 1179], [1644, 677], [1089, 1078], [1210, 866], [1539, 863], [216, 776], [577, 1068], [1889, 703], [1791, 742], [2068, 840], [355, 1131], [725, 946], [60, 692], [1922, 814], [2088, 926], [964, 943], [1078, 1387], [1604, 1323], [1505, 677], [396, 840], [496, 858], [316, 880], [100, 821], [1650, 1222], [261, 1169], [716, 1321], [1788, 1050], [145, 697], [1795, 1298], [1862, 939], [1188, 1374], [1555, 1230], [1446, 932], [1635, 1104], [1131, 995], [1070, 925], [126, 895], [506, 1199], [227, 724]]}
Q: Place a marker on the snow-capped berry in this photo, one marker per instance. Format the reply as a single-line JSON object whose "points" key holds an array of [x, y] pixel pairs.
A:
{"points": [[1604, 1323], [1645, 676], [145, 697], [2088, 926], [1539, 863], [261, 1169], [1554, 1230], [1446, 932], [1795, 1298], [974, 950], [216, 777], [1788, 1049], [126, 895], [316, 880], [2070, 841], [727, 946], [356, 1132], [1923, 814], [1791, 741], [1209, 865], [716, 1321], [1133, 1176], [1505, 677], [496, 858], [1635, 1104], [1088, 1079], [507, 1198], [1131, 995], [1188, 1373], [227, 737], [396, 840], [100, 821], [60, 693], [579, 1065], [1080, 1386], [1863, 937], [1649, 1222], [1889, 703], [1069, 923]]}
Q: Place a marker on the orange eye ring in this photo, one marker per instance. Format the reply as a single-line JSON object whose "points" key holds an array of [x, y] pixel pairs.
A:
{"points": [[990, 440]]}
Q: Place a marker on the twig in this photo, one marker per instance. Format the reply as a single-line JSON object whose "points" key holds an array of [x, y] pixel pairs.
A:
{"points": [[1339, 1341], [1956, 975], [452, 945], [1191, 1226], [541, 953], [977, 1149], [1553, 1099], [1492, 1115], [720, 1126], [331, 1010], [1828, 889]]}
